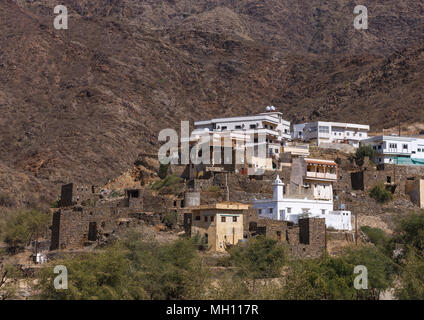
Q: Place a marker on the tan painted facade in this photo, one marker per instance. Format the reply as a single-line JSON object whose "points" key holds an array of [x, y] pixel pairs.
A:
{"points": [[415, 189], [220, 224]]}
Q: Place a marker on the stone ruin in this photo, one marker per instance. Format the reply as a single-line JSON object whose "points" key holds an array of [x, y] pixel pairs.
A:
{"points": [[305, 240], [87, 216]]}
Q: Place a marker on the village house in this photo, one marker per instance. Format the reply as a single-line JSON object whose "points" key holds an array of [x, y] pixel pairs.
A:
{"points": [[270, 123], [398, 150], [318, 204], [218, 225], [331, 132]]}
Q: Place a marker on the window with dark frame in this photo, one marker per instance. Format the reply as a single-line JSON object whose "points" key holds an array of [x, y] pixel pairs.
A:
{"points": [[222, 219]]}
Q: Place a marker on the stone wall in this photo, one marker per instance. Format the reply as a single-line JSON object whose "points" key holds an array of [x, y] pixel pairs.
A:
{"points": [[306, 240]]}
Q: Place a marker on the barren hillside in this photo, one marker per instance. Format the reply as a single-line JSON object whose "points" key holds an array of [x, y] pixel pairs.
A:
{"points": [[80, 104]]}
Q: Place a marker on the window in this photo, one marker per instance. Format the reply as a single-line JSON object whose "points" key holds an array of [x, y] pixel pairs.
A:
{"points": [[224, 128], [197, 218], [360, 134], [206, 218], [238, 127], [222, 219], [322, 211], [405, 146], [392, 145], [419, 149], [259, 211], [348, 134], [288, 210], [276, 150], [324, 129], [212, 218], [252, 126], [270, 210], [234, 219]]}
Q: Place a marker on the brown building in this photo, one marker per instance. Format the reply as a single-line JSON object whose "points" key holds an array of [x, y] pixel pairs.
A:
{"points": [[218, 225], [305, 240]]}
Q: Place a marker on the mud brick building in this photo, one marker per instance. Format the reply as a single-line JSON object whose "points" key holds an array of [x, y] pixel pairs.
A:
{"points": [[305, 240], [86, 215], [218, 225], [365, 176]]}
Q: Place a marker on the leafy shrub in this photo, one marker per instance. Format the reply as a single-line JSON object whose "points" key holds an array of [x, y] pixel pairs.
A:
{"points": [[364, 151], [380, 270], [56, 203], [258, 258], [380, 193], [131, 269], [169, 181], [163, 170], [409, 231], [375, 235], [170, 219], [23, 227]]}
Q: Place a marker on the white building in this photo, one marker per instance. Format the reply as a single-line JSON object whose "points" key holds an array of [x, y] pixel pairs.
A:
{"points": [[271, 125], [394, 149], [290, 209], [331, 132]]}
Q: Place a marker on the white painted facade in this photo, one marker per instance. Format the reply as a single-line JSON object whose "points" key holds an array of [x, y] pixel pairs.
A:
{"points": [[281, 208], [395, 149], [331, 132], [270, 123]]}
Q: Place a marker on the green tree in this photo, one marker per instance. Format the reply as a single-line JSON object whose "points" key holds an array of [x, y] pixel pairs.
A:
{"points": [[409, 231], [411, 277], [24, 226], [317, 279], [132, 269], [380, 270], [102, 275], [258, 258], [364, 151]]}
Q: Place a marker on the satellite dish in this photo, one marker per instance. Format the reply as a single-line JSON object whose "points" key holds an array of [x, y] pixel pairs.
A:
{"points": [[268, 108], [272, 108]]}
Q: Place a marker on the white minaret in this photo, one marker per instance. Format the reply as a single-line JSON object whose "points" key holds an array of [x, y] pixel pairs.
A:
{"points": [[278, 189]]}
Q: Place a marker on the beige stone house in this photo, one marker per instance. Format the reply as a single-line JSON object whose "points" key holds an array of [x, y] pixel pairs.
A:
{"points": [[219, 225]]}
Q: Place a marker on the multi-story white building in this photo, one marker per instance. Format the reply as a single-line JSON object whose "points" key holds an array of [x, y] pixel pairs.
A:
{"points": [[270, 125], [291, 209], [331, 132], [394, 149]]}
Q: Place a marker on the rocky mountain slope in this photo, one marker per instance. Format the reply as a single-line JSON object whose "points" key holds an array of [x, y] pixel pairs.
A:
{"points": [[80, 104]]}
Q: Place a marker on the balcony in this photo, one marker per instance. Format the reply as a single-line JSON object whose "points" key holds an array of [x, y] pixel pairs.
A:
{"points": [[297, 149], [321, 175]]}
